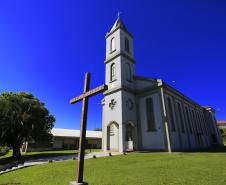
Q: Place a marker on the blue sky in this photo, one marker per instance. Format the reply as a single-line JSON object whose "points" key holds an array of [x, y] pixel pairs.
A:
{"points": [[47, 46]]}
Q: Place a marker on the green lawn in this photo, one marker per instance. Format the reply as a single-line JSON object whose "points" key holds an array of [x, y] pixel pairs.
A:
{"points": [[35, 155], [132, 169]]}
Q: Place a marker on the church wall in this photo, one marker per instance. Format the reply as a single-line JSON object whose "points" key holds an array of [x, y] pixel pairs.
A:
{"points": [[208, 138], [123, 36], [174, 134], [153, 140], [181, 125], [210, 127], [117, 81], [213, 129], [203, 126], [195, 127], [113, 113], [129, 116], [189, 125], [104, 128], [140, 84], [125, 80], [109, 53], [198, 124]]}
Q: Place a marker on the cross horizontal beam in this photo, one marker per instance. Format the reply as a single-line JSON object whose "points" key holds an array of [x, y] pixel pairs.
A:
{"points": [[90, 93]]}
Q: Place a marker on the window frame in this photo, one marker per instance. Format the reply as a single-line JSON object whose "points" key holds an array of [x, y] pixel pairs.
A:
{"points": [[113, 72], [150, 116], [171, 116], [128, 72], [113, 41], [127, 45], [189, 120], [181, 117]]}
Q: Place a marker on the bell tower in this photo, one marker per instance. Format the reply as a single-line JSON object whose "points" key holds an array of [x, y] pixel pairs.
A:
{"points": [[119, 102], [119, 56]]}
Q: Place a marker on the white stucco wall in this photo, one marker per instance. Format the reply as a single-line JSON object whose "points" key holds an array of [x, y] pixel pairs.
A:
{"points": [[129, 116], [124, 35], [116, 35], [140, 84], [152, 140], [113, 115]]}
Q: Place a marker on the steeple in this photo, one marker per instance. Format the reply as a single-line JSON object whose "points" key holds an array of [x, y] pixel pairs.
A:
{"points": [[119, 101], [118, 25]]}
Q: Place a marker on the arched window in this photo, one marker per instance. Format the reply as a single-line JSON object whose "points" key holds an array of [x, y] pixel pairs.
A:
{"points": [[204, 123], [113, 44], [127, 45], [189, 120], [128, 72], [194, 122], [150, 115], [113, 72], [171, 118], [112, 130], [181, 117], [201, 124]]}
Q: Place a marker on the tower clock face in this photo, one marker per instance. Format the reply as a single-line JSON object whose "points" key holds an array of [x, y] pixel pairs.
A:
{"points": [[129, 104]]}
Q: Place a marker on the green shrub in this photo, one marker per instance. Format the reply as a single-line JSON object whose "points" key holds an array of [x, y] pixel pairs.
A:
{"points": [[4, 150]]}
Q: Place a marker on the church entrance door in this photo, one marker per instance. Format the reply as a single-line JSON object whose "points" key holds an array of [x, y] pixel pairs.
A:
{"points": [[130, 137], [113, 135]]}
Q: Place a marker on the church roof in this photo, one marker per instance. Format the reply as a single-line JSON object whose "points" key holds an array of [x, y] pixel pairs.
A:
{"points": [[221, 122], [75, 133], [119, 24]]}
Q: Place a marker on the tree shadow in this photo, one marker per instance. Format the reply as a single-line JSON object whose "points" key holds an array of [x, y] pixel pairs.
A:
{"points": [[41, 155], [24, 158]]}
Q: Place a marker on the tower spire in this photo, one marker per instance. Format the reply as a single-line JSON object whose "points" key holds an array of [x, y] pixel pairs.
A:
{"points": [[119, 23], [119, 13]]}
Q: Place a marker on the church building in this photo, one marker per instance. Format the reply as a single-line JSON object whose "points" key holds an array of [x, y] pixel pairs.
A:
{"points": [[142, 113]]}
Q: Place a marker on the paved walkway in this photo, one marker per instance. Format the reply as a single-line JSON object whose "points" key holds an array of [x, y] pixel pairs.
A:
{"points": [[34, 162]]}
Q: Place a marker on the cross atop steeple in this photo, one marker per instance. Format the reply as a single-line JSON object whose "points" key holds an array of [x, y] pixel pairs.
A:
{"points": [[119, 13], [119, 23]]}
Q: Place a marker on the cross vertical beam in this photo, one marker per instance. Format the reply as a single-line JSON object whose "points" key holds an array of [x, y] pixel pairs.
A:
{"points": [[82, 141]]}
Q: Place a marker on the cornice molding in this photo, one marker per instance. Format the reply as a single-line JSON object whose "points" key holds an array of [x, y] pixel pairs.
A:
{"points": [[145, 79], [120, 54], [109, 34]]}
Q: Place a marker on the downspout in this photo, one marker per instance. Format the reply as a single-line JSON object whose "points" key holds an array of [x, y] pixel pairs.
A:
{"points": [[165, 116]]}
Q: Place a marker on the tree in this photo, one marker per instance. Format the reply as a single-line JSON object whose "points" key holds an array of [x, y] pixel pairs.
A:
{"points": [[22, 118]]}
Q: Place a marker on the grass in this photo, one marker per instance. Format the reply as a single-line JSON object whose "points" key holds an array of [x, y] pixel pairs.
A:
{"points": [[36, 155], [201, 168]]}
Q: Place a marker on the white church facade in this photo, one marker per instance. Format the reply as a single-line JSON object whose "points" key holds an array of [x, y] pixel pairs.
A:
{"points": [[147, 114]]}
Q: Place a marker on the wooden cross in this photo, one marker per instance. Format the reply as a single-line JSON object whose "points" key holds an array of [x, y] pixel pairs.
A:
{"points": [[82, 142]]}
